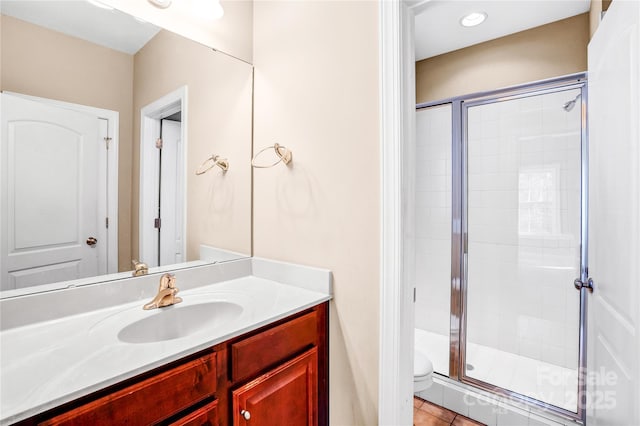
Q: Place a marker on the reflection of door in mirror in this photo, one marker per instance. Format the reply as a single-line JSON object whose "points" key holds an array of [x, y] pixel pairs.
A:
{"points": [[54, 192], [171, 193], [163, 143]]}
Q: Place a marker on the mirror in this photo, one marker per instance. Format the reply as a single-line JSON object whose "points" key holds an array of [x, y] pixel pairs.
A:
{"points": [[159, 106]]}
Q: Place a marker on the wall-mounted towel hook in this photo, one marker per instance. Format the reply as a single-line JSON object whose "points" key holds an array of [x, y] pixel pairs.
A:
{"points": [[282, 153], [209, 163]]}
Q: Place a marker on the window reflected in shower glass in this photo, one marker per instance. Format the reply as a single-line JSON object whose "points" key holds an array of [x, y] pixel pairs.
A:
{"points": [[433, 234], [523, 222], [538, 212]]}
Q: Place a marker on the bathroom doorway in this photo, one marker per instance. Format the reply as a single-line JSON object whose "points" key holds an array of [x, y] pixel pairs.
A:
{"points": [[501, 237], [162, 180]]}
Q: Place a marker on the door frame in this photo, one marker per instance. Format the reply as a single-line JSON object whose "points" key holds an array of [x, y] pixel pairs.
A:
{"points": [[397, 253], [108, 174], [150, 117]]}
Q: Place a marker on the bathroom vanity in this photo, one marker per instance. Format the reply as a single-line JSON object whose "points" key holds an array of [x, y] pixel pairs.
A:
{"points": [[273, 373], [264, 362]]}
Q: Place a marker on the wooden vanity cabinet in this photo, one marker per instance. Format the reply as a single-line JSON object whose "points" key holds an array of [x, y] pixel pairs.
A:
{"points": [[279, 374], [276, 375]]}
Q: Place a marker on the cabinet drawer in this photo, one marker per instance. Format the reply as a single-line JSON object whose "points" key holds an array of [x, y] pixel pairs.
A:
{"points": [[256, 353], [205, 416], [150, 400]]}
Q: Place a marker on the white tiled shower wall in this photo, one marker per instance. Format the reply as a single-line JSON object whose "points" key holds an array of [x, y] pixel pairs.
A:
{"points": [[524, 225], [433, 219]]}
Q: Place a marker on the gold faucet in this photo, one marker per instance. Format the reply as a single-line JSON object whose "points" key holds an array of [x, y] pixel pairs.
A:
{"points": [[166, 293], [139, 268]]}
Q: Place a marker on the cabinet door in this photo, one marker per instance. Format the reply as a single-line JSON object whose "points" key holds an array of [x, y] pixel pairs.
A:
{"points": [[285, 395]]}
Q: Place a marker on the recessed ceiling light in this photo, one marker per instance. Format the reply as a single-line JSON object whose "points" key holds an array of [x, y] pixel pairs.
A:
{"points": [[473, 19]]}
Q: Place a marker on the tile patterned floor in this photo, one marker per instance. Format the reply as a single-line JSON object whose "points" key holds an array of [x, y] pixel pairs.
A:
{"points": [[428, 414]]}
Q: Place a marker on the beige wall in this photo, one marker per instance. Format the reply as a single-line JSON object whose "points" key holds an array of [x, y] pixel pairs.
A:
{"points": [[219, 90], [547, 51], [40, 62], [316, 92], [594, 16], [233, 33]]}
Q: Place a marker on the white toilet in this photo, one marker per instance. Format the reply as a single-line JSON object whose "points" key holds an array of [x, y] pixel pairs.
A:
{"points": [[422, 372]]}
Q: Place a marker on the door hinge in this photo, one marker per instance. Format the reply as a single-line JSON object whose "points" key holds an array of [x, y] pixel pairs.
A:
{"points": [[156, 223], [414, 295], [106, 222], [107, 141], [159, 143]]}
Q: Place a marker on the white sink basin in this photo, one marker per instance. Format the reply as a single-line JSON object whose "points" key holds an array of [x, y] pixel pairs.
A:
{"points": [[174, 322]]}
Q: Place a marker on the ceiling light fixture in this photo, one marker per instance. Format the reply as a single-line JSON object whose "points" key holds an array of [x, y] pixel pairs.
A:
{"points": [[162, 4], [100, 4], [473, 19], [207, 9]]}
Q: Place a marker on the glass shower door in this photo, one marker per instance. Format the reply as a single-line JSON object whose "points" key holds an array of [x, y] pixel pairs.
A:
{"points": [[523, 236]]}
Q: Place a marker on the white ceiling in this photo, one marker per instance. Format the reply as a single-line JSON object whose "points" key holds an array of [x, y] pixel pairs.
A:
{"points": [[438, 29], [78, 18]]}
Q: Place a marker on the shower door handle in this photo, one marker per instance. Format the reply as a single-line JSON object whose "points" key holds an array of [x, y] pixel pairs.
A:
{"points": [[579, 284]]}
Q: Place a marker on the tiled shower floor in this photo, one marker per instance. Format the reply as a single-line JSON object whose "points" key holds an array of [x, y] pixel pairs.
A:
{"points": [[546, 382]]}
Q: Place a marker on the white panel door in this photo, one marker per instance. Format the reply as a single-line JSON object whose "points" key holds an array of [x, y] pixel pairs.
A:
{"points": [[171, 194], [48, 187], [614, 225]]}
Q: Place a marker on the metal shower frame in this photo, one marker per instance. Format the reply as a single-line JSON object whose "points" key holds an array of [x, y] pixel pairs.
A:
{"points": [[459, 210]]}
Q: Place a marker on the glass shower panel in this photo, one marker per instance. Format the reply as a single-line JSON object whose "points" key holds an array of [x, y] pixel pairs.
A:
{"points": [[523, 245], [433, 234]]}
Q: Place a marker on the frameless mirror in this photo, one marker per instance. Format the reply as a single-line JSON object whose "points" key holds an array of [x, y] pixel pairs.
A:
{"points": [[105, 121]]}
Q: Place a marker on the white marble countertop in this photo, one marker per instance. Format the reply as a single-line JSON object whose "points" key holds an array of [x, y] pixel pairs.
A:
{"points": [[46, 363]]}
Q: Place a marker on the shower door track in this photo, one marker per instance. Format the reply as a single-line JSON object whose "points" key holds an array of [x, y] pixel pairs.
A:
{"points": [[457, 336]]}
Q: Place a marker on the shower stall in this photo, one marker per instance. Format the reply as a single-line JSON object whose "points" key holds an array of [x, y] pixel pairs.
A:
{"points": [[500, 208]]}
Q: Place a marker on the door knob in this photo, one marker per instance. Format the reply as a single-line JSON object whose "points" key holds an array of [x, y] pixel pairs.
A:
{"points": [[92, 241], [245, 414]]}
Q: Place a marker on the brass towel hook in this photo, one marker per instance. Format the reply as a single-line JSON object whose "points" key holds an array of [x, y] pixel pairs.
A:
{"points": [[211, 162], [282, 153]]}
